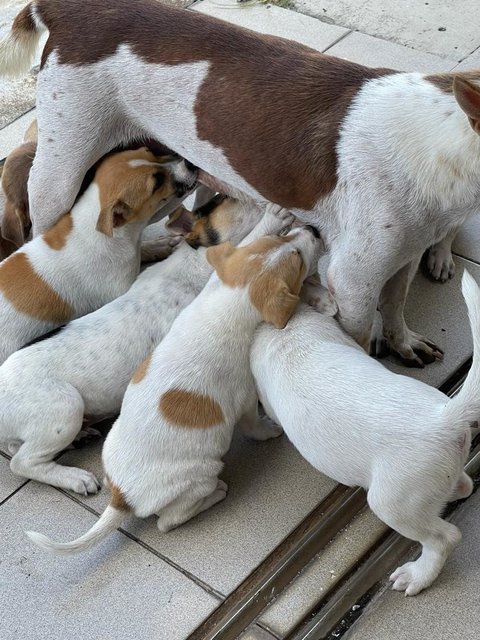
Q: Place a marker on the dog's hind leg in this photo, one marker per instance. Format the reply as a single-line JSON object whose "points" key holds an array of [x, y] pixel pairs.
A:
{"points": [[190, 503], [258, 427], [414, 349], [419, 521], [49, 434]]}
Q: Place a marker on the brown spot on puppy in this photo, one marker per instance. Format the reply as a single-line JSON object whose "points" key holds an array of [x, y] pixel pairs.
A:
{"points": [[118, 500], [132, 184], [142, 370], [273, 288], [444, 81], [56, 237], [191, 410], [29, 293], [293, 97]]}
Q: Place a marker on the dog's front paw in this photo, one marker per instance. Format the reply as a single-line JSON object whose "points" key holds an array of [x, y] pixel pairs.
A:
{"points": [[156, 250], [264, 429], [440, 264], [415, 350]]}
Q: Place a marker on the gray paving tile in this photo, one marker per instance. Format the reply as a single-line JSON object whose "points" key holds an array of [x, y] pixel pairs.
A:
{"points": [[449, 609], [8, 482], [375, 52], [117, 591], [440, 27], [11, 136], [471, 62], [275, 21], [271, 490], [467, 242], [322, 573], [438, 312], [254, 632]]}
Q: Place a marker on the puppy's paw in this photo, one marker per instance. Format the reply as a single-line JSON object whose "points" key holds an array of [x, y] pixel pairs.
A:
{"points": [[264, 429], [440, 264], [80, 481], [410, 578], [318, 297], [276, 219], [156, 250]]}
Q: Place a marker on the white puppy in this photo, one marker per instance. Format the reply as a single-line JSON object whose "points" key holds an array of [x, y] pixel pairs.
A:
{"points": [[91, 256], [351, 418], [85, 369], [163, 455]]}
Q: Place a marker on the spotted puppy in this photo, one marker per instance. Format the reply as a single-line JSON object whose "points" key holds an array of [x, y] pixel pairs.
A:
{"points": [[85, 369], [163, 455], [403, 441], [91, 255]]}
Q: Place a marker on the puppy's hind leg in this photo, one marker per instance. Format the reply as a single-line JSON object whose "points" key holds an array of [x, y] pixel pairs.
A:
{"points": [[419, 521], [258, 427], [190, 503], [48, 434]]}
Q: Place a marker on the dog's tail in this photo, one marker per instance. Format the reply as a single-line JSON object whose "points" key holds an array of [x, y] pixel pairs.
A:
{"points": [[111, 519], [464, 408], [18, 47]]}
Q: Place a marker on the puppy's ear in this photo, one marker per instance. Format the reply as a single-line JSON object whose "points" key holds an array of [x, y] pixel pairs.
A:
{"points": [[14, 222], [112, 216], [181, 221], [275, 301], [218, 254], [468, 97]]}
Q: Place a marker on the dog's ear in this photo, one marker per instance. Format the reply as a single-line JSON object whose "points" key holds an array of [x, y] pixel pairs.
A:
{"points": [[112, 216], [468, 97], [218, 254], [274, 300], [13, 227], [180, 221]]}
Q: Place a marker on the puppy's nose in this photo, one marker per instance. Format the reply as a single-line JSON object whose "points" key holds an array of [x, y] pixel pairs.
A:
{"points": [[312, 230]]}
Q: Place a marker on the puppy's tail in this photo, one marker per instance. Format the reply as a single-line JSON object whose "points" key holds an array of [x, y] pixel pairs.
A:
{"points": [[18, 47], [464, 408], [111, 519]]}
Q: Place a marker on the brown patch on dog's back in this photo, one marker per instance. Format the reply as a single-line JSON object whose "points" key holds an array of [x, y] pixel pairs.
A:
{"points": [[191, 410], [29, 293], [293, 97], [56, 237], [141, 372]]}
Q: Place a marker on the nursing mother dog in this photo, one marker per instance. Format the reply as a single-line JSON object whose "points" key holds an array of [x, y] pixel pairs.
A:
{"points": [[385, 163], [164, 453]]}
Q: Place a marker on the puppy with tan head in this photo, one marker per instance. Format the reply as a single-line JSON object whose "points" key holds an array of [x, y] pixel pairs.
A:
{"points": [[92, 254], [85, 369], [164, 453]]}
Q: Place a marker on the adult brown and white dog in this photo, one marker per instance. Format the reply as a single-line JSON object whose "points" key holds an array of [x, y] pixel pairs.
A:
{"points": [[385, 163]]}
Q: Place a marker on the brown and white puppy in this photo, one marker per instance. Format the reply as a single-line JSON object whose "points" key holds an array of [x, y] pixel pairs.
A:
{"points": [[91, 255], [164, 453]]}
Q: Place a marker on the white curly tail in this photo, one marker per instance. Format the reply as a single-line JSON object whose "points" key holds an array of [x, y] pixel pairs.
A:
{"points": [[464, 408], [18, 47], [110, 520]]}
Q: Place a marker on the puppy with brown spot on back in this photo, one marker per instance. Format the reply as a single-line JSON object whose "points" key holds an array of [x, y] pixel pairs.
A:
{"points": [[91, 255], [164, 453]]}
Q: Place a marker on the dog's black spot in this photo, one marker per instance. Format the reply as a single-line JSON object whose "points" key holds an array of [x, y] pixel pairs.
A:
{"points": [[388, 226], [313, 230], [206, 209], [212, 234]]}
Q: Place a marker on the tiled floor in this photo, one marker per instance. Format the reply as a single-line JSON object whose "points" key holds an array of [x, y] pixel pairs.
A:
{"points": [[162, 586]]}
